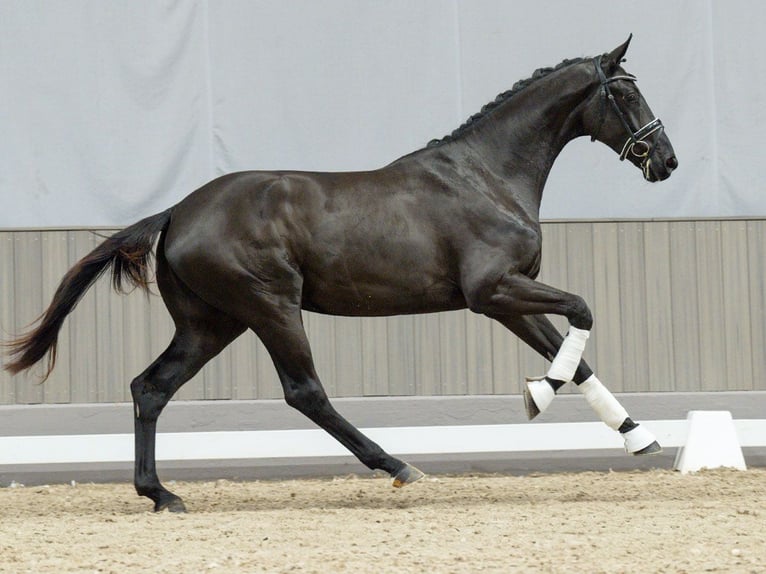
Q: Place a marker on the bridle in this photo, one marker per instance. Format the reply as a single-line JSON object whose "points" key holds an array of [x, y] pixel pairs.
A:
{"points": [[636, 143]]}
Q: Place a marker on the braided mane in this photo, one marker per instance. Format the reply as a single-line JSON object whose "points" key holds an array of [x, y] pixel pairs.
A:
{"points": [[501, 99]]}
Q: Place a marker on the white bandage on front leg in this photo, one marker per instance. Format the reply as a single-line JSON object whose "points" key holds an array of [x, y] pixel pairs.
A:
{"points": [[603, 402], [568, 358], [539, 392]]}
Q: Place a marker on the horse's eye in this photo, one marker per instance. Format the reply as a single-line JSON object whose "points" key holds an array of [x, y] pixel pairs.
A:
{"points": [[631, 97]]}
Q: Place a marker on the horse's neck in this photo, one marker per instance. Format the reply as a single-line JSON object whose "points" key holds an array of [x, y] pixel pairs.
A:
{"points": [[519, 143]]}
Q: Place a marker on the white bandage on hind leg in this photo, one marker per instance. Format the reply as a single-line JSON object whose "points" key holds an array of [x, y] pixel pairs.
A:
{"points": [[603, 402], [568, 358]]}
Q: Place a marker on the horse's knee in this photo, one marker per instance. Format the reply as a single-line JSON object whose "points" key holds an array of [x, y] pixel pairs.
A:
{"points": [[579, 314]]}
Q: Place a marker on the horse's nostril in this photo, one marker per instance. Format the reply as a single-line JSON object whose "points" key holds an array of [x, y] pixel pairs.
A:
{"points": [[671, 162]]}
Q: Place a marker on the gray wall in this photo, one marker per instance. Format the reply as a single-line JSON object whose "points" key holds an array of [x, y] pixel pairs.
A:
{"points": [[154, 98], [679, 306]]}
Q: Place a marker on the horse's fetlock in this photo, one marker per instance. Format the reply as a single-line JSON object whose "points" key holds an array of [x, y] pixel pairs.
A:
{"points": [[147, 488]]}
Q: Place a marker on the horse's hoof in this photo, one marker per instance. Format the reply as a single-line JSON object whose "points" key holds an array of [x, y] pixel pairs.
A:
{"points": [[171, 505], [407, 475], [639, 441], [529, 404], [653, 448], [538, 395]]}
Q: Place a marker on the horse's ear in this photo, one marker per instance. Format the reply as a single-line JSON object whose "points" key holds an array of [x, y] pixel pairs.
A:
{"points": [[614, 58]]}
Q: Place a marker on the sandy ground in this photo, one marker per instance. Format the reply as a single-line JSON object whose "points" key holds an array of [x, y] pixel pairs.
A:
{"points": [[658, 521]]}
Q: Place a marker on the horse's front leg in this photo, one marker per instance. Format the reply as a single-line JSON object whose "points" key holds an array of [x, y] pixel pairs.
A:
{"points": [[519, 303]]}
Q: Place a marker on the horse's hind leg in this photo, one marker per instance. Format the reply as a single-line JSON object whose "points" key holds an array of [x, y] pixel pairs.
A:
{"points": [[540, 334], [201, 333], [283, 335], [152, 389]]}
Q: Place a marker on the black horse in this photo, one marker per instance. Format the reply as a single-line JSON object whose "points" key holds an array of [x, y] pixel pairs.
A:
{"points": [[451, 226]]}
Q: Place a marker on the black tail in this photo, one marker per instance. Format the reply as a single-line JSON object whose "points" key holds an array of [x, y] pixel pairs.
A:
{"points": [[129, 253]]}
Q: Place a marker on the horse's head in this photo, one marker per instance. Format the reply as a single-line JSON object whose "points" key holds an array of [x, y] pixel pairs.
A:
{"points": [[619, 116]]}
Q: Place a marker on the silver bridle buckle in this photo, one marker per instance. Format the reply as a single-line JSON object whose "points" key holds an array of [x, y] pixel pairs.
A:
{"points": [[637, 140]]}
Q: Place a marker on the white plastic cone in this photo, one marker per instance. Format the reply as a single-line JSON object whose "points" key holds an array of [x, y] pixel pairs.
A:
{"points": [[711, 442]]}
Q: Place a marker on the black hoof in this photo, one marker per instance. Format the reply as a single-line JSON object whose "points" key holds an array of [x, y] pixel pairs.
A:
{"points": [[407, 475], [174, 504], [653, 448]]}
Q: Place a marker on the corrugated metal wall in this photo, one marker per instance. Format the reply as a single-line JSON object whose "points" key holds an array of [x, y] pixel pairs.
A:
{"points": [[678, 306]]}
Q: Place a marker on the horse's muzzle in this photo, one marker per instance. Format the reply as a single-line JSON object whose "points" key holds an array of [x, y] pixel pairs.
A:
{"points": [[656, 169]]}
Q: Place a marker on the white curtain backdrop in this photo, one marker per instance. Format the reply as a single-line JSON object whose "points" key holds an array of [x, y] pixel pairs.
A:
{"points": [[114, 110]]}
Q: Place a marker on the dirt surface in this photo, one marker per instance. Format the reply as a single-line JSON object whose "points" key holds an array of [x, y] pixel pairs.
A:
{"points": [[658, 521]]}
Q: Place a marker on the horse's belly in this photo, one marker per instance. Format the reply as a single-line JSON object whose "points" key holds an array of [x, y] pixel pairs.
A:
{"points": [[357, 297]]}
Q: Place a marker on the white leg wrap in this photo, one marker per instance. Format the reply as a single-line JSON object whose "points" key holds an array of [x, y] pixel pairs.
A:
{"points": [[638, 439], [603, 402], [568, 358]]}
